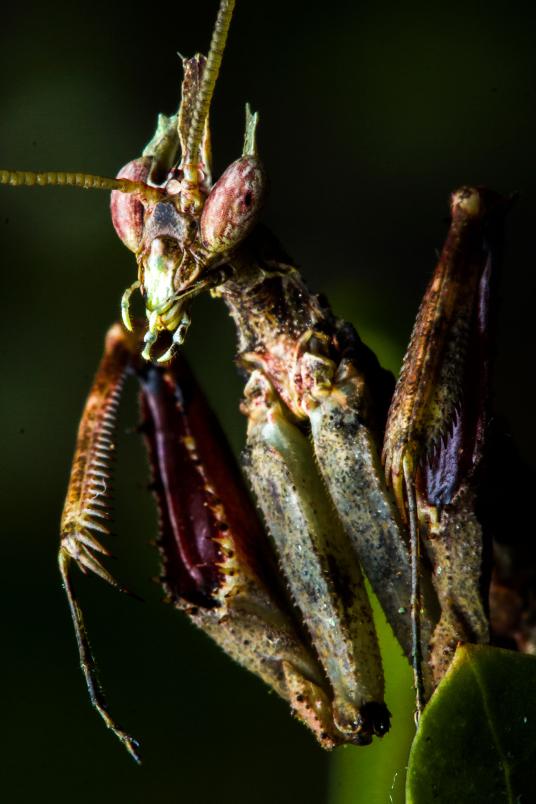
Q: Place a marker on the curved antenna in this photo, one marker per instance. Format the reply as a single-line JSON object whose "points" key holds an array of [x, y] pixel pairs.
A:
{"points": [[87, 181], [210, 75]]}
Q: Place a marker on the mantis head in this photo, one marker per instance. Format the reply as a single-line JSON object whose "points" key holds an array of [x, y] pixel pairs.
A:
{"points": [[183, 237], [181, 227]]}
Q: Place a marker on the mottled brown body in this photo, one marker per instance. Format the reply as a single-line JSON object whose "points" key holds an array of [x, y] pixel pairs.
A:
{"points": [[438, 419], [217, 563], [316, 399], [290, 345], [291, 605], [324, 579], [442, 381], [330, 385], [352, 470]]}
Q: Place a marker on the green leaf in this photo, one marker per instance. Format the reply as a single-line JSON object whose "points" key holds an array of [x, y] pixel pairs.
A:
{"points": [[477, 737]]}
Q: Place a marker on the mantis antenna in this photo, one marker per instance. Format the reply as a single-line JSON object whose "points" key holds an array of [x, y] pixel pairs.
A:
{"points": [[87, 181], [210, 75]]}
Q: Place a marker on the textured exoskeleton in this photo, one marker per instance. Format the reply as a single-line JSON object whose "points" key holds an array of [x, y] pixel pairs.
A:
{"points": [[291, 605], [217, 563], [438, 422]]}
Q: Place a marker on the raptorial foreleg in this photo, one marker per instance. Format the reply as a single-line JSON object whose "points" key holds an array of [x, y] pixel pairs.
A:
{"points": [[87, 506]]}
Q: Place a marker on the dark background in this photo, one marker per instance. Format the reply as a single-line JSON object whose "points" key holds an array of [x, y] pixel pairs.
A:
{"points": [[371, 114]]}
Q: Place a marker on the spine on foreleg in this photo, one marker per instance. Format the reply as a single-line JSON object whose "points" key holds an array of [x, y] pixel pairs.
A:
{"points": [[215, 560]]}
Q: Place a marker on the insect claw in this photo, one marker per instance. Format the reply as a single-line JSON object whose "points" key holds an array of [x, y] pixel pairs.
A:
{"points": [[149, 339], [88, 523], [97, 512], [101, 502], [90, 541], [178, 338], [146, 354], [125, 304], [168, 354], [87, 562], [151, 335], [91, 563]]}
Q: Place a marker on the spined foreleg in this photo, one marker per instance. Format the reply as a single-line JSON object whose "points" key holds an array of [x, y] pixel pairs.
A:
{"points": [[86, 510], [217, 563]]}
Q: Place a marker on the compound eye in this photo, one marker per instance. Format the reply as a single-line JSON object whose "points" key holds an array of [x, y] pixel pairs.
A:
{"points": [[126, 208], [233, 205]]}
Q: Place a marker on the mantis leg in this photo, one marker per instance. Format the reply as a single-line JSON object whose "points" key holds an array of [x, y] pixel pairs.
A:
{"points": [[86, 508], [348, 458], [322, 573], [217, 562], [435, 434]]}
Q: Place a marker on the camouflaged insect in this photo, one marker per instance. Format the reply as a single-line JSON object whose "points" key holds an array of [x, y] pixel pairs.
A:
{"points": [[284, 595]]}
